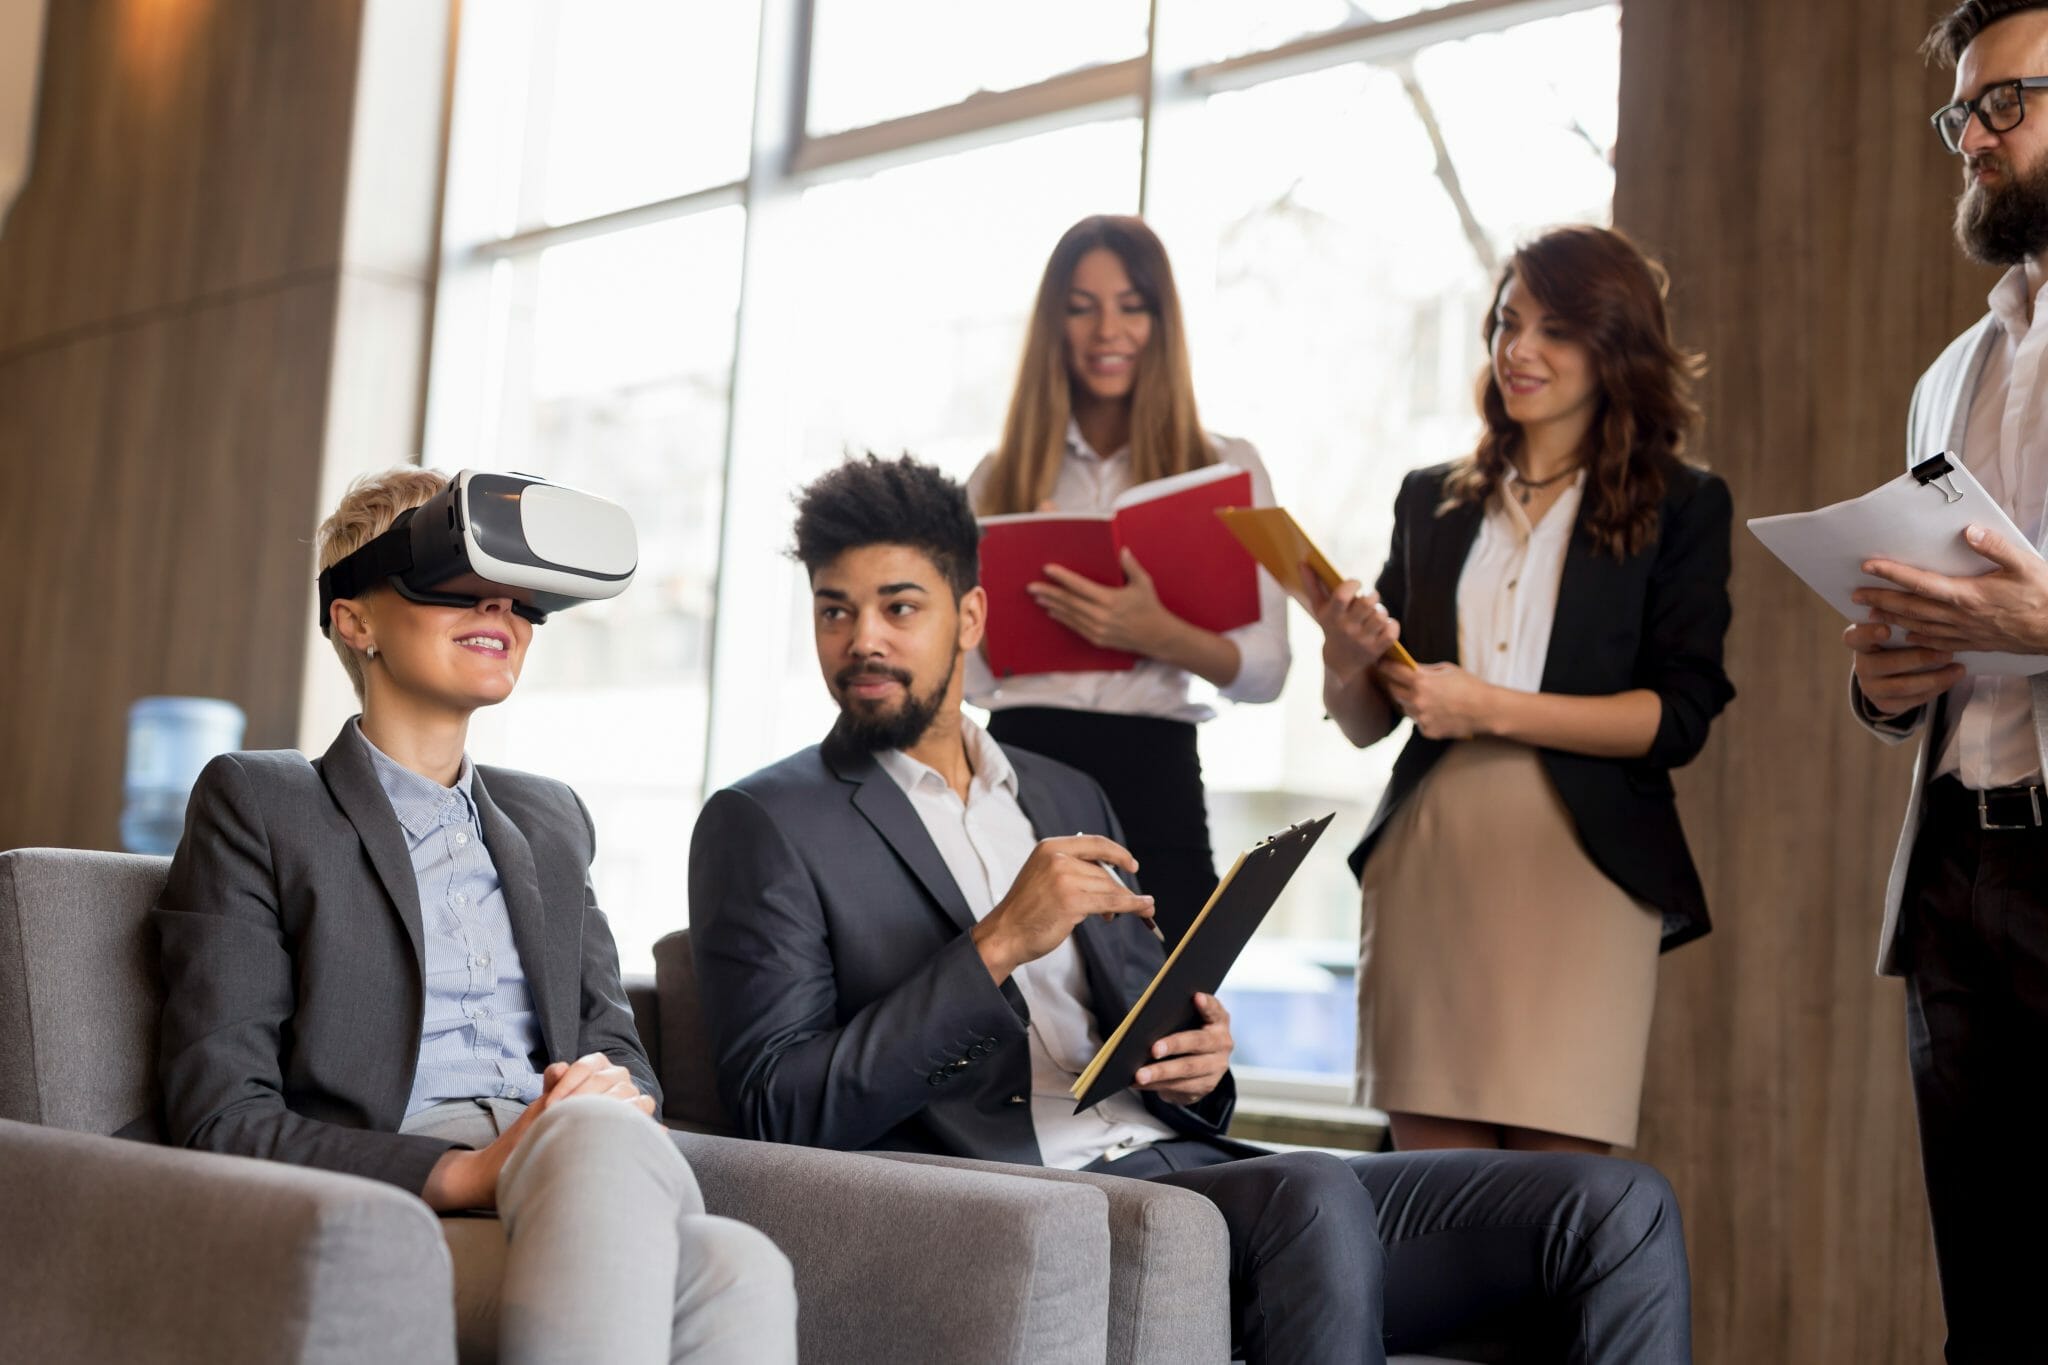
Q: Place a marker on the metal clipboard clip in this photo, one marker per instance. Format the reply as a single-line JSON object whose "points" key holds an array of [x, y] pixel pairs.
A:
{"points": [[1271, 843], [1937, 470]]}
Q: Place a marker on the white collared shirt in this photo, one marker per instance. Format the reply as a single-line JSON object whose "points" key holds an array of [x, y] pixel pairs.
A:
{"points": [[985, 841], [1089, 482], [1990, 733], [1507, 593]]}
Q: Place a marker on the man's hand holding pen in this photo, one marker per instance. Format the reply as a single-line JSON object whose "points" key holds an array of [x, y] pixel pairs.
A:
{"points": [[1062, 883]]}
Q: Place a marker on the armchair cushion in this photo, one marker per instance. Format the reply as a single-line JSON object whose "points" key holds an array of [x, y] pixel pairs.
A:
{"points": [[893, 1263], [79, 994], [689, 1081], [1169, 1272], [115, 1250]]}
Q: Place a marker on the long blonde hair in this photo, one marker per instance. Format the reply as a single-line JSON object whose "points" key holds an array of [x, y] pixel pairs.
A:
{"points": [[1166, 432]]}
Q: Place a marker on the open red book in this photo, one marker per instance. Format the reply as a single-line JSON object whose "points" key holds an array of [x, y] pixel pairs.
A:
{"points": [[1204, 576]]}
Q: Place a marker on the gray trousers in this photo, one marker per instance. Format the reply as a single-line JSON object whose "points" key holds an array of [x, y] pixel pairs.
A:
{"points": [[601, 1251]]}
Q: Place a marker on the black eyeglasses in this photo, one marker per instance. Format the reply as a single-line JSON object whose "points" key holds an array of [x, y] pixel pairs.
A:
{"points": [[2000, 109]]}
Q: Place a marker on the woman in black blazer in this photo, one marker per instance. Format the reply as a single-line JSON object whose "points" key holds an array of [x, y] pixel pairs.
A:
{"points": [[1564, 590]]}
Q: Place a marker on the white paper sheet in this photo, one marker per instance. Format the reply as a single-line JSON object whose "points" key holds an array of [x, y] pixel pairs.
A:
{"points": [[1905, 521]]}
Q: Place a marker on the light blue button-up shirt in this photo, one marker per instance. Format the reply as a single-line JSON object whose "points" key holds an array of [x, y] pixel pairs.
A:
{"points": [[480, 1031]]}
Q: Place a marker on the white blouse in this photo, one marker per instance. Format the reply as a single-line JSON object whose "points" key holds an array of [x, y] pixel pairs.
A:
{"points": [[1507, 594], [1088, 482]]}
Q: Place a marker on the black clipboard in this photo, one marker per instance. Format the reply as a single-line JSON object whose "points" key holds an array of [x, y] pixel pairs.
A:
{"points": [[1200, 961]]}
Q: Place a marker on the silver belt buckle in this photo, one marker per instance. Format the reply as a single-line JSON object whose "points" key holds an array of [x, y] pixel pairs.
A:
{"points": [[1984, 820]]}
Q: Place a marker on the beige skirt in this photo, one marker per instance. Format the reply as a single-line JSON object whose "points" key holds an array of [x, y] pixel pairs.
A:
{"points": [[1502, 977]]}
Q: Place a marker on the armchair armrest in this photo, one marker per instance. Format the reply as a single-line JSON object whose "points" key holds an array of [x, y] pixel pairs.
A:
{"points": [[117, 1250], [898, 1263], [1169, 1275]]}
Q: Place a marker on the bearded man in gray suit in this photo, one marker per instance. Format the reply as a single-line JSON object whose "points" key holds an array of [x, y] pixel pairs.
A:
{"points": [[904, 945]]}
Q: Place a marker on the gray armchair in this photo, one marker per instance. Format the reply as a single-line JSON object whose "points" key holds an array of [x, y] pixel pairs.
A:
{"points": [[113, 1247]]}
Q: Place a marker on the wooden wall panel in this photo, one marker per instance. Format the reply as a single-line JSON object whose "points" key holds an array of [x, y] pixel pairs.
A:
{"points": [[1777, 157], [184, 149], [168, 301]]}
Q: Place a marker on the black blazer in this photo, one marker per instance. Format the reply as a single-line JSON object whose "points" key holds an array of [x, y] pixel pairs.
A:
{"points": [[1655, 620], [846, 1003], [291, 939]]}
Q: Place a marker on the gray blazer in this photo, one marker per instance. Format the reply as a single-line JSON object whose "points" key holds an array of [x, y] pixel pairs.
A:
{"points": [[846, 1003], [291, 944], [1937, 421]]}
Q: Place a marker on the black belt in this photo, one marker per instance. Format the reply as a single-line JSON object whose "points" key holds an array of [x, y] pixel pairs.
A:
{"points": [[1996, 808]]}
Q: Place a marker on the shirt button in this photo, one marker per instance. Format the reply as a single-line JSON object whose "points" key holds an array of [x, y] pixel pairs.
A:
{"points": [[461, 899], [1502, 647], [1512, 582], [461, 839]]}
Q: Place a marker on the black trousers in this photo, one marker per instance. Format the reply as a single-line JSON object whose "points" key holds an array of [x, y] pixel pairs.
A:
{"points": [[1151, 772], [1974, 941], [1347, 1259]]}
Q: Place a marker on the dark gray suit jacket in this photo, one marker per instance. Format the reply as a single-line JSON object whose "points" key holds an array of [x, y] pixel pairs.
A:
{"points": [[846, 1003], [293, 978]]}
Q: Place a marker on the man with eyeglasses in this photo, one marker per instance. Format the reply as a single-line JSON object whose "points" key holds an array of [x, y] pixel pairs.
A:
{"points": [[1966, 918]]}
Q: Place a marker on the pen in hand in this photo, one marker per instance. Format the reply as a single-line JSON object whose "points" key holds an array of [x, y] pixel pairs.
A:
{"points": [[1149, 924]]}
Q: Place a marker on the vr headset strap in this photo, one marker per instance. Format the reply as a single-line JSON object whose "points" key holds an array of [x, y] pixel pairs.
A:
{"points": [[370, 566]]}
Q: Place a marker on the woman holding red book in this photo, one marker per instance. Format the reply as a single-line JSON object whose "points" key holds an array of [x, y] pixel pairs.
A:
{"points": [[1104, 402], [1565, 589]]}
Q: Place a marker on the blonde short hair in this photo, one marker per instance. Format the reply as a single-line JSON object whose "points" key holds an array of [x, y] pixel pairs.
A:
{"points": [[367, 510]]}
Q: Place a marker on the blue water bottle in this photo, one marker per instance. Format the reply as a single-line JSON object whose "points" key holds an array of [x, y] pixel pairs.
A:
{"points": [[169, 740]]}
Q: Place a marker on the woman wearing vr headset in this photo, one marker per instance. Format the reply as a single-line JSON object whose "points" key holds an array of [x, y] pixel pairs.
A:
{"points": [[1105, 401], [388, 962]]}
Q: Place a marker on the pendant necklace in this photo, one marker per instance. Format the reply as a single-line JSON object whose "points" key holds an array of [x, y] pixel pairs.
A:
{"points": [[1526, 489]]}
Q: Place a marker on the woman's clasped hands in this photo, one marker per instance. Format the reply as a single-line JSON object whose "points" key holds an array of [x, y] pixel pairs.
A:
{"points": [[465, 1179]]}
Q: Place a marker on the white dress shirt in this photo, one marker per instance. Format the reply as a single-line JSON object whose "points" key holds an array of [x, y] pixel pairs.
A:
{"points": [[1507, 593], [1088, 482], [1990, 735], [985, 841]]}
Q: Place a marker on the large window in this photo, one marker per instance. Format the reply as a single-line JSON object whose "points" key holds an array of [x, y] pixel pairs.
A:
{"points": [[696, 253]]}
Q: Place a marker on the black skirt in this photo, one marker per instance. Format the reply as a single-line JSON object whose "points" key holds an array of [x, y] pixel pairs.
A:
{"points": [[1152, 773]]}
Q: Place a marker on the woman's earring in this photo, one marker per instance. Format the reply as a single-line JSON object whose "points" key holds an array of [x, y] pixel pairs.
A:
{"points": [[372, 651]]}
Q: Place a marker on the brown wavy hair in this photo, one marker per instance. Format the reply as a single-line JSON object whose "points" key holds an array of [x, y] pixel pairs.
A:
{"points": [[1608, 297], [1166, 431]]}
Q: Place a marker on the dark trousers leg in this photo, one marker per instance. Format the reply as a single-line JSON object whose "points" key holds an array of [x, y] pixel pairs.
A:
{"points": [[1152, 774], [1346, 1259], [1589, 1248], [1975, 926], [1305, 1263]]}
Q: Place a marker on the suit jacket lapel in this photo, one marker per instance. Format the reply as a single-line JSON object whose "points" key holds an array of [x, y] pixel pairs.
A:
{"points": [[525, 906], [1433, 595], [884, 806], [345, 767]]}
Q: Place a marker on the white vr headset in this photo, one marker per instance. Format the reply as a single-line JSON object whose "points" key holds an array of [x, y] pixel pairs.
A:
{"points": [[495, 535]]}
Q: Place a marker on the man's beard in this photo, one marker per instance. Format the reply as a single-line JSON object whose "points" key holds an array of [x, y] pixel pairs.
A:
{"points": [[872, 733], [2005, 224]]}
